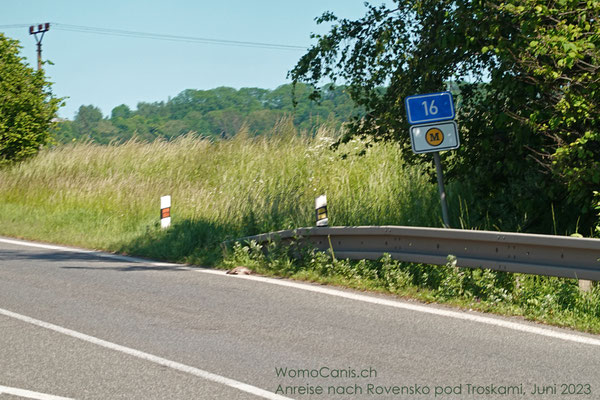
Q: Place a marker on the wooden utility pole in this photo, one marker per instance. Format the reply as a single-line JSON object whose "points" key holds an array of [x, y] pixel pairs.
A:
{"points": [[41, 29]]}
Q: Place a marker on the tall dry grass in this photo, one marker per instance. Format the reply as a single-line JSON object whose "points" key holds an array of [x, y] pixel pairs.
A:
{"points": [[107, 197]]}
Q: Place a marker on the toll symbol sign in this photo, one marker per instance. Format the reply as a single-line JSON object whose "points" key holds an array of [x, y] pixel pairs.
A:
{"points": [[434, 136], [427, 138]]}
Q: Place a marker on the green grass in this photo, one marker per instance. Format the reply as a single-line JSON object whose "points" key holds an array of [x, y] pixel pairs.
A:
{"points": [[108, 197]]}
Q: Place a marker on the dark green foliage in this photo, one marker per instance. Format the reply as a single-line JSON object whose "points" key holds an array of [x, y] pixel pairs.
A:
{"points": [[526, 76], [219, 113], [26, 105]]}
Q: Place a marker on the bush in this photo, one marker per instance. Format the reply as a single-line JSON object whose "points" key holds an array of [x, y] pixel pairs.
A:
{"points": [[27, 106]]}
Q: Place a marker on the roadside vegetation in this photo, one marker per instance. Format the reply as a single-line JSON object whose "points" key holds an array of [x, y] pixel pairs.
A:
{"points": [[107, 197]]}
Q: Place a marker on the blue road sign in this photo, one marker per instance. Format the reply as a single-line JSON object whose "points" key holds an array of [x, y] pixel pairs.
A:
{"points": [[430, 107]]}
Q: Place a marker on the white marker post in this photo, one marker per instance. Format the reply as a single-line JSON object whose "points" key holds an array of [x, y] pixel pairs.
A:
{"points": [[321, 211], [165, 211]]}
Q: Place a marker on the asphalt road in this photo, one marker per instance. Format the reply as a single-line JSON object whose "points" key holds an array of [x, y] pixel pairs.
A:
{"points": [[83, 326]]}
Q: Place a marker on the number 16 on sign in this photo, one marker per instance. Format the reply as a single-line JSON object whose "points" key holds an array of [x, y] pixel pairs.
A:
{"points": [[432, 107]]}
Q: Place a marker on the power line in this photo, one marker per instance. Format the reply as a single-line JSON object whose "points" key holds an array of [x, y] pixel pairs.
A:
{"points": [[158, 36], [14, 26], [176, 38]]}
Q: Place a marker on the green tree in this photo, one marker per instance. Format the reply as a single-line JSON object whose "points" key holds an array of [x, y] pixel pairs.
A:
{"points": [[122, 111], [526, 75], [219, 112], [86, 122], [27, 105], [87, 119]]}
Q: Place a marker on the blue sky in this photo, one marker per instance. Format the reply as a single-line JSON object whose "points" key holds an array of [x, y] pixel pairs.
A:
{"points": [[110, 70]]}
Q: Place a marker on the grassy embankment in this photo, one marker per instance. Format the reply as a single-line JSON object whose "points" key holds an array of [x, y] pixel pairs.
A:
{"points": [[107, 197]]}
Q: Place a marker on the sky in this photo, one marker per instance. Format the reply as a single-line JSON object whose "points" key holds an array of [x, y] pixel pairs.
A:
{"points": [[108, 70]]}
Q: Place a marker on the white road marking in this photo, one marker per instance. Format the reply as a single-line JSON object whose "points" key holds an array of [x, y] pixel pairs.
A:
{"points": [[420, 308], [535, 330], [148, 357], [29, 394], [82, 251]]}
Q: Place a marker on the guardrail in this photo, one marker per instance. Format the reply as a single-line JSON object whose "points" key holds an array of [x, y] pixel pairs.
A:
{"points": [[559, 256]]}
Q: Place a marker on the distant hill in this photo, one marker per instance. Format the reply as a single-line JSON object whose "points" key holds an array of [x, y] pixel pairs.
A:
{"points": [[219, 112]]}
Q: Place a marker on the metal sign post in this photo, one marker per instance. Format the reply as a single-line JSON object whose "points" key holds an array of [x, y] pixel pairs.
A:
{"points": [[436, 131], [440, 180]]}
